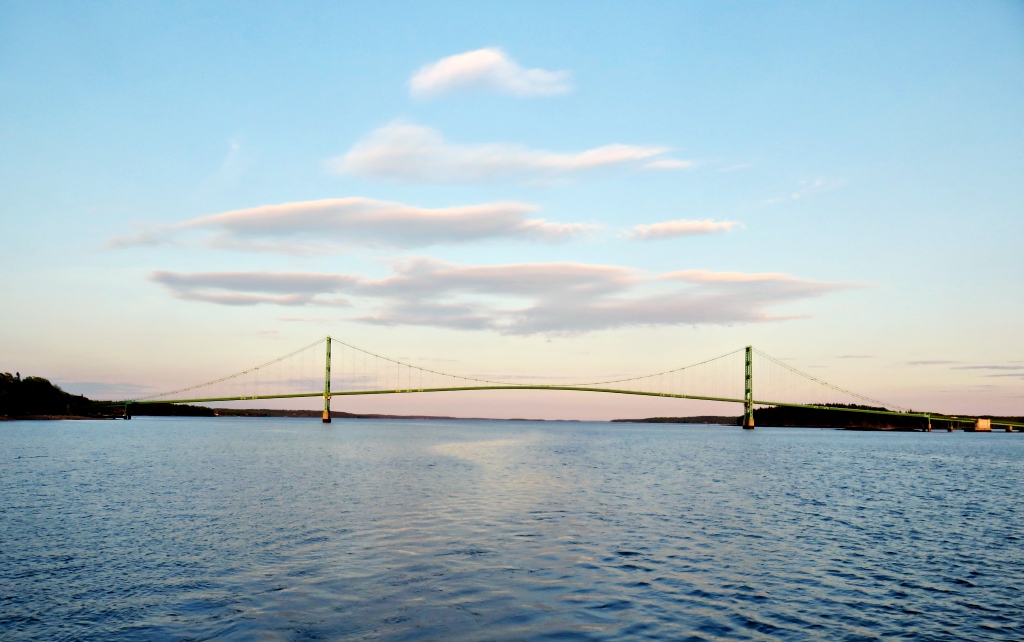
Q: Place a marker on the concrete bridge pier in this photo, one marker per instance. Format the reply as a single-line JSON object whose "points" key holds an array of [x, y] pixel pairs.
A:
{"points": [[327, 384], [748, 390]]}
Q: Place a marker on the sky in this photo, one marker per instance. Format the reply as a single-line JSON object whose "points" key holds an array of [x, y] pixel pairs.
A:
{"points": [[563, 189]]}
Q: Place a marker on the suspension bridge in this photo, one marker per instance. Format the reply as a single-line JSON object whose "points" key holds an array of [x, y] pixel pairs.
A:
{"points": [[312, 371]]}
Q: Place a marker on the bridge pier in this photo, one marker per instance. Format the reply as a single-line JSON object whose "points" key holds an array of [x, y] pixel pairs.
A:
{"points": [[748, 391], [327, 384]]}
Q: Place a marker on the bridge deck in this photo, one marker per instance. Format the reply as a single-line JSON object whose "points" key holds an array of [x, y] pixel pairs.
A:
{"points": [[759, 402]]}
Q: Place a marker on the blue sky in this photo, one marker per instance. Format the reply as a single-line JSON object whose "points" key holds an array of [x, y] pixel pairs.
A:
{"points": [[563, 188]]}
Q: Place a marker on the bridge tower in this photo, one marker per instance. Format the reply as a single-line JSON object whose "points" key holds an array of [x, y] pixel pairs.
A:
{"points": [[748, 391], [327, 384]]}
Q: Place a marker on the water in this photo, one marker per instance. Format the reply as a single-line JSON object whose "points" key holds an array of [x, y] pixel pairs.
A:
{"points": [[168, 529]]}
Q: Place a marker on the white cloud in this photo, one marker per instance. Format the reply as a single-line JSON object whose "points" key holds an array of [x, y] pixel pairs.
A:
{"points": [[670, 163], [305, 227], [486, 69], [251, 288], [707, 276], [682, 227], [523, 299], [407, 152]]}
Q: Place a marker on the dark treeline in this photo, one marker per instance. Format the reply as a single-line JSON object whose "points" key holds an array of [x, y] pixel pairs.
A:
{"points": [[36, 396], [819, 418], [782, 416], [806, 418]]}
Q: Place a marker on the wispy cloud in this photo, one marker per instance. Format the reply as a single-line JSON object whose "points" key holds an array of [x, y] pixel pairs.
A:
{"points": [[311, 319], [682, 227], [669, 163], [103, 389], [149, 236], [413, 153], [856, 356], [330, 224], [523, 299], [737, 167], [988, 368], [488, 69], [252, 288], [931, 362], [807, 188], [232, 167]]}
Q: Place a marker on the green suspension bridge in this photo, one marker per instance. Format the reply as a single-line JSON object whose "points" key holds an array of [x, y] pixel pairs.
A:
{"points": [[311, 371]]}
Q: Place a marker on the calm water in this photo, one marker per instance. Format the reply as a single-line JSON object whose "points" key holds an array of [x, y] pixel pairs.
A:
{"points": [[168, 529]]}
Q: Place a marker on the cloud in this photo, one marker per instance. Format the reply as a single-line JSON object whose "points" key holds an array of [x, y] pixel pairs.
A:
{"points": [[856, 356], [152, 237], [103, 389], [232, 167], [733, 168], [669, 163], [310, 319], [930, 362], [988, 368], [486, 69], [707, 276], [251, 288], [806, 188], [682, 227], [324, 225], [413, 153], [518, 299]]}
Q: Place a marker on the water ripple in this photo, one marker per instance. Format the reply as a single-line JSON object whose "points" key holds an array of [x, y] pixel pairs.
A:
{"points": [[168, 529]]}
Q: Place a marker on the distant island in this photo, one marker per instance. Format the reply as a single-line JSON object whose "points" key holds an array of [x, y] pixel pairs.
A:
{"points": [[38, 398], [841, 417]]}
